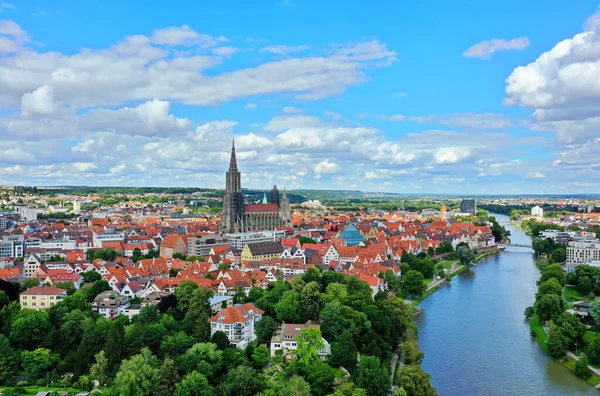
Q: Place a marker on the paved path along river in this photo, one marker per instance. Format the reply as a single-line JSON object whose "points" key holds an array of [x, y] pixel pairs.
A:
{"points": [[475, 338]]}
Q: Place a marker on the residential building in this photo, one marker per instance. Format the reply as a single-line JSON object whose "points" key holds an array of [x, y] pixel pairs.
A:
{"points": [[41, 297], [108, 235], [31, 264], [240, 240], [584, 252], [26, 213], [286, 339], [3, 223], [537, 212], [173, 243], [201, 245], [110, 304], [12, 246], [219, 303], [238, 323], [262, 251], [62, 244]]}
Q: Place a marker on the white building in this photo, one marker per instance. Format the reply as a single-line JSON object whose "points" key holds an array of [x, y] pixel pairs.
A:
{"points": [[30, 264], [286, 339], [76, 206], [219, 303], [26, 213], [537, 211], [110, 304], [107, 236], [12, 246], [60, 244], [3, 223], [584, 252], [241, 239], [238, 323]]}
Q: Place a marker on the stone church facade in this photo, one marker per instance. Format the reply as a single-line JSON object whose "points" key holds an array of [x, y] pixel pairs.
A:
{"points": [[240, 217]]}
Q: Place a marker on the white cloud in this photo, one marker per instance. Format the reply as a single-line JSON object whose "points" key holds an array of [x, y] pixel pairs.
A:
{"points": [[325, 167], [284, 49], [536, 175], [225, 51], [489, 121], [38, 102], [7, 6], [487, 48], [291, 110], [250, 106], [84, 166], [118, 169], [451, 155]]}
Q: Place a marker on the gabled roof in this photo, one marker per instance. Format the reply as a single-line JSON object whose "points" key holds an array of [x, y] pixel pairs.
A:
{"points": [[237, 314], [43, 291], [264, 248]]}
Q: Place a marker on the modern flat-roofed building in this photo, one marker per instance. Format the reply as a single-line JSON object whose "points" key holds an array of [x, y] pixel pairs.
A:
{"points": [[584, 252], [239, 240], [41, 297], [201, 245]]}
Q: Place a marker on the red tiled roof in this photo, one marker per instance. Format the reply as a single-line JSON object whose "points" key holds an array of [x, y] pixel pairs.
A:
{"points": [[236, 314], [43, 291]]}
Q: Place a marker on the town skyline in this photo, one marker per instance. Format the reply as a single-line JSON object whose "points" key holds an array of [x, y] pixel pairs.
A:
{"points": [[155, 102]]}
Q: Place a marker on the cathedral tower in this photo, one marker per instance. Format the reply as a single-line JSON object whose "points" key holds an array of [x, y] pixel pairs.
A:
{"points": [[233, 201]]}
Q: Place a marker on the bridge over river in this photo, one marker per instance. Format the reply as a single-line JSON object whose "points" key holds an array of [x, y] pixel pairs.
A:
{"points": [[521, 245]]}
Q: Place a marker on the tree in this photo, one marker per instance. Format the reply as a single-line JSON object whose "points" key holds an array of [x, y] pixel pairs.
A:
{"points": [[203, 357], [240, 295], [415, 381], [594, 312], [99, 370], [465, 255], [372, 376], [581, 368], [136, 375], [96, 288], [177, 344], [584, 285], [551, 286], [348, 388], [31, 329], [553, 271], [91, 276], [592, 350], [265, 328], [221, 340], [548, 306], [167, 378], [148, 315], [411, 353], [295, 386], [241, 381], [71, 331], [337, 318], [68, 286], [8, 360], [412, 283], [115, 344], [344, 352], [557, 343], [308, 240], [310, 301], [38, 363], [29, 283], [288, 308], [558, 256], [194, 384], [260, 356]]}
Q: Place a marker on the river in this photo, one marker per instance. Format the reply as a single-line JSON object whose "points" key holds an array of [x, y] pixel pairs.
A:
{"points": [[475, 338]]}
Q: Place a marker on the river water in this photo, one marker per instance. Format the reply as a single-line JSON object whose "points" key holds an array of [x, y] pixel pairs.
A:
{"points": [[475, 338]]}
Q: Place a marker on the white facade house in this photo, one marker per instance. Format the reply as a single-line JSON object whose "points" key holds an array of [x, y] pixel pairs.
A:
{"points": [[60, 244], [12, 246], [238, 323], [30, 264], [286, 339], [585, 252], [537, 211], [26, 213], [107, 236], [110, 304], [241, 239]]}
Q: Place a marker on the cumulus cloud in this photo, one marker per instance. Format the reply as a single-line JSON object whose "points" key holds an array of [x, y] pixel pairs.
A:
{"points": [[536, 175], [562, 86], [284, 49], [487, 48], [451, 155], [489, 121], [325, 167], [40, 102]]}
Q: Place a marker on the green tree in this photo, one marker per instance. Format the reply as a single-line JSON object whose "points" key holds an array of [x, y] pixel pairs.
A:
{"points": [[288, 309], [31, 329], [115, 345], [581, 368], [240, 295], [295, 386], [304, 240], [265, 328], [260, 356], [29, 283], [203, 357], [337, 318], [548, 306], [372, 376], [38, 363], [176, 344], [551, 286], [415, 381], [8, 360], [309, 342], [220, 339], [344, 352], [558, 256], [557, 343], [71, 331], [95, 289], [91, 276], [553, 271], [194, 384], [310, 301], [68, 286], [100, 369], [348, 388], [584, 285], [167, 379], [241, 381], [136, 375], [592, 350], [594, 312], [412, 283], [465, 255]]}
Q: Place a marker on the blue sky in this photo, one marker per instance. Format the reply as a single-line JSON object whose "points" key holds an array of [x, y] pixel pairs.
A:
{"points": [[393, 96]]}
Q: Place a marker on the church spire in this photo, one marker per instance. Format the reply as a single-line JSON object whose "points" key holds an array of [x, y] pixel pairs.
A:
{"points": [[233, 161]]}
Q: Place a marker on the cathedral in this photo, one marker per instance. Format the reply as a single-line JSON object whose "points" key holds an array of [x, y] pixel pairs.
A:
{"points": [[240, 217]]}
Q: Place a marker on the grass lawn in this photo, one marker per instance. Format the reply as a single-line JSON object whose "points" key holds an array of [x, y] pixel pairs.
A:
{"points": [[427, 281], [34, 389], [589, 336], [541, 336], [445, 264], [572, 294]]}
